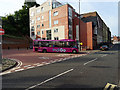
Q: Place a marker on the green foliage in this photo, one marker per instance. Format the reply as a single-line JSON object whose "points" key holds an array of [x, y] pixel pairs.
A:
{"points": [[18, 23]]}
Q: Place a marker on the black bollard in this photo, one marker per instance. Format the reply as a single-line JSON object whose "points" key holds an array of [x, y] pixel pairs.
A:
{"points": [[18, 48]]}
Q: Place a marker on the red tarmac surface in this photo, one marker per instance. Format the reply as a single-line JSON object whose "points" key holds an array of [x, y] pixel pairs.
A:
{"points": [[32, 59]]}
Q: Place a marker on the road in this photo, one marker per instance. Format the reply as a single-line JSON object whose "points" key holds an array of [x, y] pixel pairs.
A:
{"points": [[94, 71]]}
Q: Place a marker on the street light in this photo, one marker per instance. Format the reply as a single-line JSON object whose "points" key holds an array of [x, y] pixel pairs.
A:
{"points": [[79, 27]]}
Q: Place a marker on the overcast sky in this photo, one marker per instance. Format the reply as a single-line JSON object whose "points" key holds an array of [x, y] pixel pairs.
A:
{"points": [[107, 9]]}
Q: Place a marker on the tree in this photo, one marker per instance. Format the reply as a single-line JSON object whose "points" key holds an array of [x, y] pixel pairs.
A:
{"points": [[18, 23]]}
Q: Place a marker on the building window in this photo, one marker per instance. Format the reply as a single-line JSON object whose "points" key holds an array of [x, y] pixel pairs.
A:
{"points": [[38, 33], [42, 32], [32, 33], [32, 29], [42, 8], [55, 30], [33, 21], [43, 38], [42, 17], [50, 19], [70, 12], [38, 11], [75, 15], [56, 22], [55, 13], [49, 3], [38, 26], [38, 18], [56, 38], [32, 14], [42, 25]]}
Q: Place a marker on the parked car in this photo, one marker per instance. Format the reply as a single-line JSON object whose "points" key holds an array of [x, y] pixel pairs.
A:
{"points": [[104, 47]]}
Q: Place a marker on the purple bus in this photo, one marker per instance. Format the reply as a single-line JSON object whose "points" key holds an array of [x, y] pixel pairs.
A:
{"points": [[64, 45]]}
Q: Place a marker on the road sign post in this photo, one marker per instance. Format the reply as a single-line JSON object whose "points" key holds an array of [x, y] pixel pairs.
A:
{"points": [[1, 33]]}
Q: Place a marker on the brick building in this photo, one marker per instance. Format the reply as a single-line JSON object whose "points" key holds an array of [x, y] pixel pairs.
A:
{"points": [[53, 20], [101, 33]]}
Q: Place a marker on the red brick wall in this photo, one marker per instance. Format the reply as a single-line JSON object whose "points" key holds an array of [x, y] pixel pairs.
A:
{"points": [[85, 32], [62, 18], [15, 46], [15, 43], [89, 35]]}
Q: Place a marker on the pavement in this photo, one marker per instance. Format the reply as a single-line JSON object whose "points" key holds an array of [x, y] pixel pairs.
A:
{"points": [[28, 59]]}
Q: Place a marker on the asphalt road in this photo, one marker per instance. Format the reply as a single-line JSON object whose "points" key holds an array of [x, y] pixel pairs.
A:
{"points": [[93, 71]]}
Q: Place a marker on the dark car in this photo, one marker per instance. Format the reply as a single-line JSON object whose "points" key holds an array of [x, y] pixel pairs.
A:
{"points": [[104, 47]]}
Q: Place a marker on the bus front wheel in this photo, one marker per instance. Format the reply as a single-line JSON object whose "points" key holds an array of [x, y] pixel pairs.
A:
{"points": [[74, 51], [44, 51]]}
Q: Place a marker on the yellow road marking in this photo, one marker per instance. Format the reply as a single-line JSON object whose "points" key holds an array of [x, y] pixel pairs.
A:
{"points": [[112, 86]]}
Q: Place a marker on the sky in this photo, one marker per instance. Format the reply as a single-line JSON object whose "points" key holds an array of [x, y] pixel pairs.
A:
{"points": [[107, 9]]}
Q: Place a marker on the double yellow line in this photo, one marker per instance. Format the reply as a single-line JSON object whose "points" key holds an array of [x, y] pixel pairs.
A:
{"points": [[110, 86]]}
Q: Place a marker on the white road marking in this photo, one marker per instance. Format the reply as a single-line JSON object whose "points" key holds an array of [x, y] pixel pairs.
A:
{"points": [[40, 65], [53, 61], [63, 55], [9, 71], [104, 55], [50, 79], [47, 63], [43, 62], [30, 67], [27, 66], [19, 70], [90, 61]]}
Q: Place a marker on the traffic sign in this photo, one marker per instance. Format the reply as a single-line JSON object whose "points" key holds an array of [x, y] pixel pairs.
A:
{"points": [[2, 31]]}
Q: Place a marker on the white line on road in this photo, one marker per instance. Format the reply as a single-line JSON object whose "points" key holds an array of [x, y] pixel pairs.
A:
{"points": [[104, 55], [19, 70], [50, 79], [90, 61], [30, 67], [27, 66]]}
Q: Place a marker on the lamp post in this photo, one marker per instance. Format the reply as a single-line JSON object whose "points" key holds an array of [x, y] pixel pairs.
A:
{"points": [[79, 27]]}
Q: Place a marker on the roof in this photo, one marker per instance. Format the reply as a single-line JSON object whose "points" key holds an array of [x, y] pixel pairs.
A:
{"points": [[89, 14]]}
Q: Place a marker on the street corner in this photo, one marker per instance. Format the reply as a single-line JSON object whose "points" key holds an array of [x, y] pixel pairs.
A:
{"points": [[9, 64]]}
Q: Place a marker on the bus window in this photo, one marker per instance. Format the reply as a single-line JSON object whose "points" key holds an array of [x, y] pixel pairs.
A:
{"points": [[70, 44], [36, 44]]}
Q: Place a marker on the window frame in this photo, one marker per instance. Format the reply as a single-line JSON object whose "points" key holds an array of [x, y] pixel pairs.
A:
{"points": [[38, 26], [56, 30], [55, 13], [55, 22], [42, 8]]}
